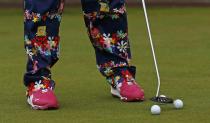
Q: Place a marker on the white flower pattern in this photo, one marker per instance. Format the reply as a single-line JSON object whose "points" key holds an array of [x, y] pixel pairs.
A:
{"points": [[122, 46]]}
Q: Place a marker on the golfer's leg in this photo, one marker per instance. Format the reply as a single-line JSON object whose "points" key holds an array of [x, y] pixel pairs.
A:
{"points": [[41, 35], [41, 32], [106, 22]]}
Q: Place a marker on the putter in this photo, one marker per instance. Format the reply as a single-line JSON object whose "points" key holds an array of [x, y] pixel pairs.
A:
{"points": [[157, 98]]}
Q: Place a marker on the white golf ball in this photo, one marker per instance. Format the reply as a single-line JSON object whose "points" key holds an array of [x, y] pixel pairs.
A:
{"points": [[155, 109], [178, 104]]}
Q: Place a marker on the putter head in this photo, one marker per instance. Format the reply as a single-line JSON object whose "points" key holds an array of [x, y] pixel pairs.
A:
{"points": [[162, 100]]}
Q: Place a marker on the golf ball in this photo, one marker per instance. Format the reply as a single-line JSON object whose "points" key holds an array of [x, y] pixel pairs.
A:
{"points": [[155, 109], [178, 104]]}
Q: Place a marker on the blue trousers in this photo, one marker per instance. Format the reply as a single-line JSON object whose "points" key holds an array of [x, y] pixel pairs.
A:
{"points": [[106, 22]]}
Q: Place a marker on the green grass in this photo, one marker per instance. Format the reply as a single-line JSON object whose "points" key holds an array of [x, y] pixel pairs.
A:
{"points": [[181, 37]]}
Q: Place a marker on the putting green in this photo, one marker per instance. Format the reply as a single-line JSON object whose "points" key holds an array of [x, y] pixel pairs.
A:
{"points": [[181, 37]]}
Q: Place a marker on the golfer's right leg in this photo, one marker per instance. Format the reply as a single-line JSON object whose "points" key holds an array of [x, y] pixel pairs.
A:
{"points": [[41, 27]]}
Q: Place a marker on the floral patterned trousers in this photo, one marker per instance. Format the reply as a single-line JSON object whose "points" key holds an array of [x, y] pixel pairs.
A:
{"points": [[106, 22]]}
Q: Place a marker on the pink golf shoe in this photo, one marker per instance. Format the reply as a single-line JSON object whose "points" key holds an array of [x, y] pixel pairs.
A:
{"points": [[40, 96], [128, 90]]}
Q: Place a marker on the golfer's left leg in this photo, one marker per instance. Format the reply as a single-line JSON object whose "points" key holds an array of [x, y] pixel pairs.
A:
{"points": [[106, 21]]}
